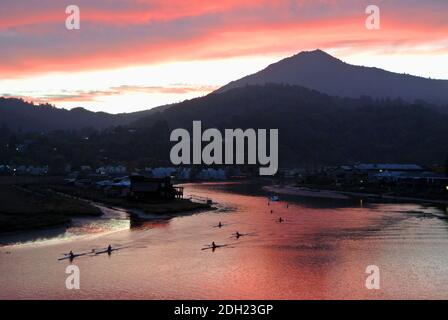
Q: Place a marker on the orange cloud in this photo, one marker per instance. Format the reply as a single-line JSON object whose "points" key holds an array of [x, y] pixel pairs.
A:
{"points": [[148, 32], [135, 12], [92, 95]]}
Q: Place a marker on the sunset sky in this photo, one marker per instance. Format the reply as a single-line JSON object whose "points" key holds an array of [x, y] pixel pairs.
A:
{"points": [[132, 55]]}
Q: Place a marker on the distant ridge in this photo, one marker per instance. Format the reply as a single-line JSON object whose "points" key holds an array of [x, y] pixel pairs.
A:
{"points": [[26, 116], [316, 128], [322, 72]]}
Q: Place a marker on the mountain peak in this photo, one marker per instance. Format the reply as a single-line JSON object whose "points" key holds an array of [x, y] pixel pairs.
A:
{"points": [[314, 55], [321, 71], [316, 52]]}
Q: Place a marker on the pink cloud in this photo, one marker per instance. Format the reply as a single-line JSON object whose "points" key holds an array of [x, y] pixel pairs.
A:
{"points": [[132, 32]]}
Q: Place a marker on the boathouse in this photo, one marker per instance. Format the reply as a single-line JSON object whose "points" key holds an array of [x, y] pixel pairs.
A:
{"points": [[153, 189]]}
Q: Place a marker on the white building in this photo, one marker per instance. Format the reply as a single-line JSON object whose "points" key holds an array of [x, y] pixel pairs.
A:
{"points": [[161, 172], [212, 174], [119, 169]]}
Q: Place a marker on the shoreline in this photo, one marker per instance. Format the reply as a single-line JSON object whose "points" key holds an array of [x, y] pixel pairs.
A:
{"points": [[138, 215], [23, 209], [159, 208], [36, 208], [318, 192]]}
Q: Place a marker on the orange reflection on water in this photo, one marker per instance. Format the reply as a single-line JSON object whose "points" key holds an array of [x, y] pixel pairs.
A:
{"points": [[320, 251]]}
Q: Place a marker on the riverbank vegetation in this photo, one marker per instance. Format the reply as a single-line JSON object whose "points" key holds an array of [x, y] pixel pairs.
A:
{"points": [[381, 192], [22, 208]]}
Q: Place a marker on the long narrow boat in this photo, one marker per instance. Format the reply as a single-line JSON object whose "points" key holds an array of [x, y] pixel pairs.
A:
{"points": [[215, 247], [250, 234], [109, 251], [74, 256]]}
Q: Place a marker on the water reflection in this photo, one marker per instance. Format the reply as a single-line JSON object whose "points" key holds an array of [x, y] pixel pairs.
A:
{"points": [[111, 220], [32, 236], [320, 251]]}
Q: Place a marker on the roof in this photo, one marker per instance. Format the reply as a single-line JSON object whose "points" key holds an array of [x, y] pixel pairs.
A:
{"points": [[388, 166], [145, 186], [109, 183], [411, 175], [140, 178]]}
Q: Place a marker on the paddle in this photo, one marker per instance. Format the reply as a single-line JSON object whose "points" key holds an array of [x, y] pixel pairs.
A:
{"points": [[67, 256], [216, 247], [113, 249]]}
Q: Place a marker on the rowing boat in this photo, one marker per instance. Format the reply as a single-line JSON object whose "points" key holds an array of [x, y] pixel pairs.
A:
{"points": [[74, 256], [106, 251], [215, 247], [243, 234]]}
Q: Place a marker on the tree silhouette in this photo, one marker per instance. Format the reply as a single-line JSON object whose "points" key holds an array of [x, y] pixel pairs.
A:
{"points": [[446, 165]]}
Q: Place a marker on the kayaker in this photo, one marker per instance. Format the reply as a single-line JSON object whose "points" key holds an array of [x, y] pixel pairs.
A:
{"points": [[280, 220], [71, 254], [219, 224], [237, 234], [213, 245], [109, 249]]}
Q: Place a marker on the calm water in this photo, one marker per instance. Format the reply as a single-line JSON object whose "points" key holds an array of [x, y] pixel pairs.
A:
{"points": [[319, 252]]}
